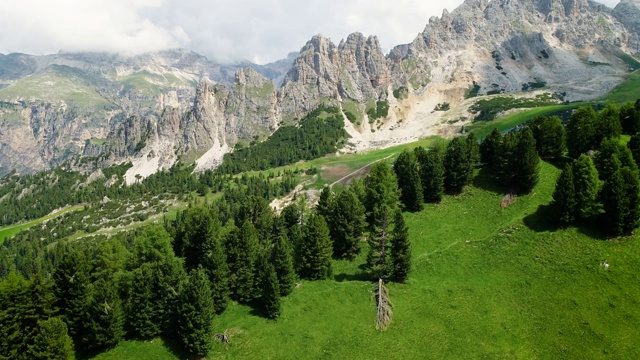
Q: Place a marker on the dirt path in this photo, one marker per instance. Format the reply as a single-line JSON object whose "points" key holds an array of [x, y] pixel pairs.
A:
{"points": [[346, 180]]}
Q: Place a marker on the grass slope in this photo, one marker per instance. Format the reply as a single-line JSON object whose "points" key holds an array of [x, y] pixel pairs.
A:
{"points": [[627, 91], [9, 231], [486, 283]]}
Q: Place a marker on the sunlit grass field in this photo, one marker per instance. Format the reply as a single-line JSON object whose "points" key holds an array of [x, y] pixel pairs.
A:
{"points": [[487, 282]]}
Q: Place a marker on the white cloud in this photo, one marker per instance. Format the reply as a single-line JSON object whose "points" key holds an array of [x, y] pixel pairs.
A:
{"points": [[225, 30]]}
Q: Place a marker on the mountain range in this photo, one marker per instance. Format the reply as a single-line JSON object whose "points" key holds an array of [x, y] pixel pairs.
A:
{"points": [[94, 109]]}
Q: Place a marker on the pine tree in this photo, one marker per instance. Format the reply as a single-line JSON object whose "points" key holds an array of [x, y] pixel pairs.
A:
{"points": [[324, 203], [406, 169], [283, 265], [52, 342], [506, 169], [71, 279], [214, 262], [381, 187], [242, 254], [490, 149], [152, 285], [400, 249], [607, 160], [581, 132], [550, 135], [614, 203], [456, 165], [629, 119], [632, 195], [587, 185], [347, 223], [526, 163], [269, 288], [634, 147], [315, 250], [474, 152], [564, 197], [431, 174], [196, 314], [378, 258], [608, 124], [103, 317]]}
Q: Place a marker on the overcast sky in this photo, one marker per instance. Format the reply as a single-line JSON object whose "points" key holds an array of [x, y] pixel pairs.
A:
{"points": [[224, 30]]}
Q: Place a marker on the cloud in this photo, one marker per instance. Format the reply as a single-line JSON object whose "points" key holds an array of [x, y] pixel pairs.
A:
{"points": [[223, 30]]}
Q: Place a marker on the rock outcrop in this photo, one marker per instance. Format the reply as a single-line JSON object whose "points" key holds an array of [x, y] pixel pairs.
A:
{"points": [[156, 108]]}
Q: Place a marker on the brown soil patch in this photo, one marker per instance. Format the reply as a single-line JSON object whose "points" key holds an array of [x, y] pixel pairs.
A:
{"points": [[333, 173]]}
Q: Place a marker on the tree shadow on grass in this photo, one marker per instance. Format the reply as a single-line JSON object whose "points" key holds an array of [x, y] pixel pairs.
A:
{"points": [[359, 276], [172, 344], [485, 180], [542, 220]]}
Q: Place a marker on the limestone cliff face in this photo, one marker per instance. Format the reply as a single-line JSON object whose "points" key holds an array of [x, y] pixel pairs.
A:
{"points": [[628, 13], [155, 108], [510, 43], [356, 70]]}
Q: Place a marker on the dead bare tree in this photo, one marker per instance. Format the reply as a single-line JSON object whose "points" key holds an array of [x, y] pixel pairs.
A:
{"points": [[385, 309]]}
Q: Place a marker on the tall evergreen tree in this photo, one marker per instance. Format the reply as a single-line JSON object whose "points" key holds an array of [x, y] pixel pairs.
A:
{"points": [[406, 169], [283, 265], [195, 315], [215, 265], [269, 288], [431, 173], [587, 186], [490, 148], [629, 119], [550, 135], [581, 132], [324, 203], [52, 342], [608, 124], [103, 317], [456, 165], [379, 259], [381, 187], [400, 249], [242, 254], [614, 203], [526, 163], [634, 147], [564, 197], [610, 157], [507, 168], [71, 285], [315, 250], [474, 152], [632, 194], [347, 224], [152, 284]]}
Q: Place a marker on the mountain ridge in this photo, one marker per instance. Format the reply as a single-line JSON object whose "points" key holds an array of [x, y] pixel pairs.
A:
{"points": [[155, 109]]}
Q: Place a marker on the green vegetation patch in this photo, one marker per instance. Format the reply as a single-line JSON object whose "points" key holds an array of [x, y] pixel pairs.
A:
{"points": [[9, 231], [627, 91], [319, 133], [488, 109], [378, 111], [267, 89], [353, 111], [54, 87], [401, 93], [472, 91]]}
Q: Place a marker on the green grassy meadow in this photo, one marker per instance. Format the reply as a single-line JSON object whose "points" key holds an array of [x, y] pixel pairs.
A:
{"points": [[486, 283], [9, 231], [627, 91]]}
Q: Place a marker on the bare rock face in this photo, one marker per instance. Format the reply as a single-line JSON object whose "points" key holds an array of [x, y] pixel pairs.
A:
{"points": [[156, 108], [504, 45], [628, 13], [356, 69]]}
